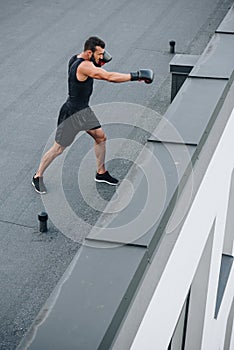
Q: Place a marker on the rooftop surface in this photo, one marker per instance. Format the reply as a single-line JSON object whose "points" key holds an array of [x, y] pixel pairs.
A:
{"points": [[36, 42]]}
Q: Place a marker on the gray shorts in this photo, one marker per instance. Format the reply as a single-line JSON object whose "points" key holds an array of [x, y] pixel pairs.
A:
{"points": [[70, 123]]}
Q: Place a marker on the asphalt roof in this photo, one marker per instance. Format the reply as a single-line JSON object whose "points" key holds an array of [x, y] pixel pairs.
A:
{"points": [[36, 43]]}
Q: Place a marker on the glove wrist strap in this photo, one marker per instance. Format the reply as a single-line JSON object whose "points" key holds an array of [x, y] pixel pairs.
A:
{"points": [[134, 76]]}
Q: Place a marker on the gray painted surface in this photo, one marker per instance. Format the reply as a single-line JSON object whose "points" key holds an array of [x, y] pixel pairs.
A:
{"points": [[95, 290], [183, 63], [37, 40], [227, 25], [217, 59], [180, 67], [188, 116], [163, 169]]}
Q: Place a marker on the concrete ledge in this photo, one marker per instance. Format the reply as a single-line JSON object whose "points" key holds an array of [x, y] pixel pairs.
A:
{"points": [[217, 59], [227, 25], [89, 303], [193, 107]]}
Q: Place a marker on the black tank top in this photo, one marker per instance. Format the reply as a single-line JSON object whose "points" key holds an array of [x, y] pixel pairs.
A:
{"points": [[79, 92]]}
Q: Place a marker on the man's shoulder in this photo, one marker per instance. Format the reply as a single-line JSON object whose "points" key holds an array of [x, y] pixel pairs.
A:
{"points": [[85, 66]]}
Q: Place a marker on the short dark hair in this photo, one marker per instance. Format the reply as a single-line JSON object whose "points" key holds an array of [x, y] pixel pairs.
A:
{"points": [[92, 42]]}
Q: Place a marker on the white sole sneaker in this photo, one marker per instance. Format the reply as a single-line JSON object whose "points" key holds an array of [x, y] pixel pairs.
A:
{"points": [[107, 182]]}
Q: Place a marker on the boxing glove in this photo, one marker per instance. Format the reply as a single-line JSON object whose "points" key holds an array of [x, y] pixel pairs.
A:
{"points": [[106, 58], [147, 75]]}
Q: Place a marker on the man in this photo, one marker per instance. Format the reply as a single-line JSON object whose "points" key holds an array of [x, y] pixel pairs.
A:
{"points": [[76, 115]]}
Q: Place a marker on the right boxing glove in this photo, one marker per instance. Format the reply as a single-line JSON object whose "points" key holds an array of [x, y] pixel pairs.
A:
{"points": [[147, 75], [106, 58]]}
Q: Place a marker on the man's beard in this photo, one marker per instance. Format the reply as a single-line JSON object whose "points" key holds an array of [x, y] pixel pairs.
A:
{"points": [[92, 59]]}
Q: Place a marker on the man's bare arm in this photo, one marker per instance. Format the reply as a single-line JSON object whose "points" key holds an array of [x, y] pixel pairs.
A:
{"points": [[88, 69]]}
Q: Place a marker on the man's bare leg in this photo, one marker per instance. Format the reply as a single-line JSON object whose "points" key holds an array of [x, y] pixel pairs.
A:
{"points": [[48, 158], [99, 148], [100, 152]]}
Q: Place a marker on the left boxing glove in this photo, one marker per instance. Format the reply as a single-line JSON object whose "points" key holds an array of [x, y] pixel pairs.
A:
{"points": [[106, 58], [147, 75]]}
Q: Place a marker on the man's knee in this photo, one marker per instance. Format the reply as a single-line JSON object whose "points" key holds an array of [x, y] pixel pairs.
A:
{"points": [[100, 138], [58, 149], [98, 135]]}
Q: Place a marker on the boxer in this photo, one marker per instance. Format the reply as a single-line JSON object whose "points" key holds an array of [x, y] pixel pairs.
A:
{"points": [[76, 115]]}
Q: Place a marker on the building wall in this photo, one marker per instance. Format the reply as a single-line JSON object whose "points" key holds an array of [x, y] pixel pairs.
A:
{"points": [[205, 240], [192, 303]]}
